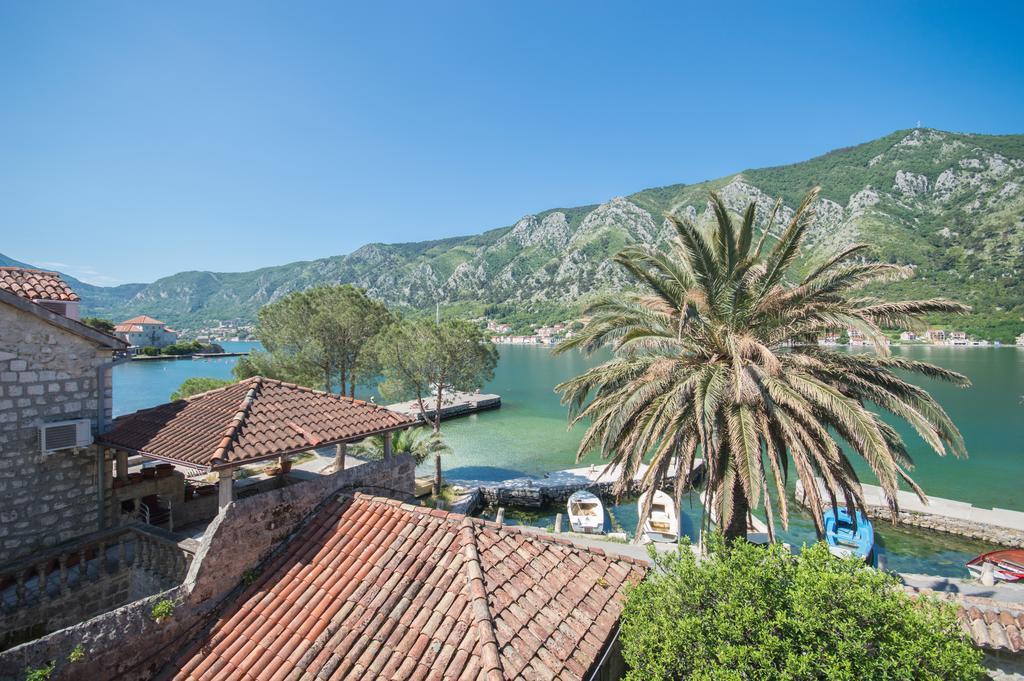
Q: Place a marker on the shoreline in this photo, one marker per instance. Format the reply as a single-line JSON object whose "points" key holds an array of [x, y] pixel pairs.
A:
{"points": [[205, 355]]}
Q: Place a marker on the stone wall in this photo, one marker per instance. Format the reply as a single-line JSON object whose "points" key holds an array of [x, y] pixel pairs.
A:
{"points": [[127, 645], [100, 572], [46, 374], [992, 534], [1004, 666]]}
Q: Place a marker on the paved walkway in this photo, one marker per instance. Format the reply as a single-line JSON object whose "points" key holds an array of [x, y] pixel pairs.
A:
{"points": [[1007, 593], [937, 506]]}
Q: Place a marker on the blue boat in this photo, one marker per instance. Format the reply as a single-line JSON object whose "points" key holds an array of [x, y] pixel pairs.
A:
{"points": [[842, 539]]}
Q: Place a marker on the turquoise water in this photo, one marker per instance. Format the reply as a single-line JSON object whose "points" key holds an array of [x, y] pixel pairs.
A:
{"points": [[529, 435], [138, 385]]}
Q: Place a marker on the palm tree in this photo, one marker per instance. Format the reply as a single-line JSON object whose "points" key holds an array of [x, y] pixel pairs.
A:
{"points": [[419, 442], [718, 354]]}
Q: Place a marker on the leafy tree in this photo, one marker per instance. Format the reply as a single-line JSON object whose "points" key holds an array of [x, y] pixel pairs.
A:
{"points": [[422, 360], [751, 612], [419, 442], [100, 324], [198, 384], [718, 353], [324, 331], [280, 366]]}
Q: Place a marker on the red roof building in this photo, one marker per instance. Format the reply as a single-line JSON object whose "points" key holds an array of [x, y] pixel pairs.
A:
{"points": [[372, 588], [253, 420]]}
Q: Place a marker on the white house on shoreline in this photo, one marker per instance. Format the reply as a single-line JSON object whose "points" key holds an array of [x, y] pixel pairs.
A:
{"points": [[143, 331]]}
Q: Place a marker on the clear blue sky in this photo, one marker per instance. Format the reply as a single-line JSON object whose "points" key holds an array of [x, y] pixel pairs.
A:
{"points": [[139, 139]]}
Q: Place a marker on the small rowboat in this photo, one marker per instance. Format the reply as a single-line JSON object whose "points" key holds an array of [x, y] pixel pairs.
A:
{"points": [[843, 540], [586, 514], [662, 524], [1007, 565]]}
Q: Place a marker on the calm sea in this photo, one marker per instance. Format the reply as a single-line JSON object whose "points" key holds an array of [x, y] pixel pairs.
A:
{"points": [[529, 435]]}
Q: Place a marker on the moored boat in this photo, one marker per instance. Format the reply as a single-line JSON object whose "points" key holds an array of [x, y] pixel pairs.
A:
{"points": [[586, 513], [662, 525], [843, 539], [1007, 565]]}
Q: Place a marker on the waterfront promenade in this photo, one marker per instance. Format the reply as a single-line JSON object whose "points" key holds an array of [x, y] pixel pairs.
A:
{"points": [[996, 525]]}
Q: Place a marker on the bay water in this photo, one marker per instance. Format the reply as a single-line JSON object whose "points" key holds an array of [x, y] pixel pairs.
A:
{"points": [[529, 435]]}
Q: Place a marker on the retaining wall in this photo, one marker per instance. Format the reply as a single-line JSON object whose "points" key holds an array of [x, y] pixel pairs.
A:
{"points": [[127, 645]]}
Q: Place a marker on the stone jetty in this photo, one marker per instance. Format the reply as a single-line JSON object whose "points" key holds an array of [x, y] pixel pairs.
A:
{"points": [[557, 487], [996, 526], [453, 404]]}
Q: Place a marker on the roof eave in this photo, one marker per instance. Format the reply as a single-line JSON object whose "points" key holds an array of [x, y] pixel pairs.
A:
{"points": [[210, 466]]}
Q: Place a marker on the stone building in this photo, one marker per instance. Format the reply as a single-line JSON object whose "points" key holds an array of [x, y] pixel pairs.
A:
{"points": [[143, 331], [55, 397]]}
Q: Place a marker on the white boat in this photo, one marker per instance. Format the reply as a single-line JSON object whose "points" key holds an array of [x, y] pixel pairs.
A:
{"points": [[663, 523], [586, 514]]}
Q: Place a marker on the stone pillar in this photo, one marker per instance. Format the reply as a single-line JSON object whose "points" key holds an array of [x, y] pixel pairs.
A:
{"points": [[340, 450], [387, 445], [226, 489], [122, 465]]}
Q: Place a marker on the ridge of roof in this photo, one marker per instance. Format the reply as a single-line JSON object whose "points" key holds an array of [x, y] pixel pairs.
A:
{"points": [[231, 432], [490, 656]]}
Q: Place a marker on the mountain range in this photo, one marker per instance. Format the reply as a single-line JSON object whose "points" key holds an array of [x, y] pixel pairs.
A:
{"points": [[949, 204]]}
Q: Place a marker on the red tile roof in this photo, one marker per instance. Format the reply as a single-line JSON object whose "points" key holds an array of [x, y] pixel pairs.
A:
{"points": [[35, 284], [141, 319], [375, 589], [991, 624], [127, 328], [256, 419]]}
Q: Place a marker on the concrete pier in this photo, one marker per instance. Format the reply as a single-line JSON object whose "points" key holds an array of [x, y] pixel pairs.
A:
{"points": [[557, 487], [454, 404], [997, 525]]}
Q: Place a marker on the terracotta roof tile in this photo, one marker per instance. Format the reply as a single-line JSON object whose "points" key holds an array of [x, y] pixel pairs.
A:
{"points": [[35, 284], [991, 624], [255, 419], [375, 589], [141, 319]]}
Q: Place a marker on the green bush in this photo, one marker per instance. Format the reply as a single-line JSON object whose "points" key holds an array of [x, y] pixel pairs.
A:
{"points": [[750, 612], [40, 673], [164, 609], [197, 384], [77, 654]]}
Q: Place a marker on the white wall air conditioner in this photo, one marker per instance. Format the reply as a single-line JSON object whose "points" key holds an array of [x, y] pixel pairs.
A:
{"points": [[65, 435]]}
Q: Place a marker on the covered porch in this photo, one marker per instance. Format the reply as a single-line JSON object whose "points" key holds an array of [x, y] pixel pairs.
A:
{"points": [[210, 446]]}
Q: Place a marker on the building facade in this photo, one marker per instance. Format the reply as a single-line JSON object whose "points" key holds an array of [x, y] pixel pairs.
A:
{"points": [[55, 397], [143, 331]]}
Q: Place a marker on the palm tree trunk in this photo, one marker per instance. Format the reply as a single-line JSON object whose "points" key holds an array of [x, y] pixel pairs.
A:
{"points": [[737, 528]]}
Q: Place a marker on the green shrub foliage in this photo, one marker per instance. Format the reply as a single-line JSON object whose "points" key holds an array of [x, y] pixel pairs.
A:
{"points": [[750, 612]]}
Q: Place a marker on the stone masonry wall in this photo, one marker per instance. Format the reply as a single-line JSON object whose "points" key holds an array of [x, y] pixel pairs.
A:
{"points": [[127, 645], [46, 374]]}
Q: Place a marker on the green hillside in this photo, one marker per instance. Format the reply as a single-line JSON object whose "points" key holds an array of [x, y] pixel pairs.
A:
{"points": [[950, 204]]}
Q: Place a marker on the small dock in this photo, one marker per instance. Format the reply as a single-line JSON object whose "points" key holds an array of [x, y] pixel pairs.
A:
{"points": [[206, 355], [454, 404], [557, 487], [996, 525]]}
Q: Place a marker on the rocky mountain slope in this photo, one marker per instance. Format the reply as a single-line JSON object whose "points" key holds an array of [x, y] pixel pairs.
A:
{"points": [[950, 204]]}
